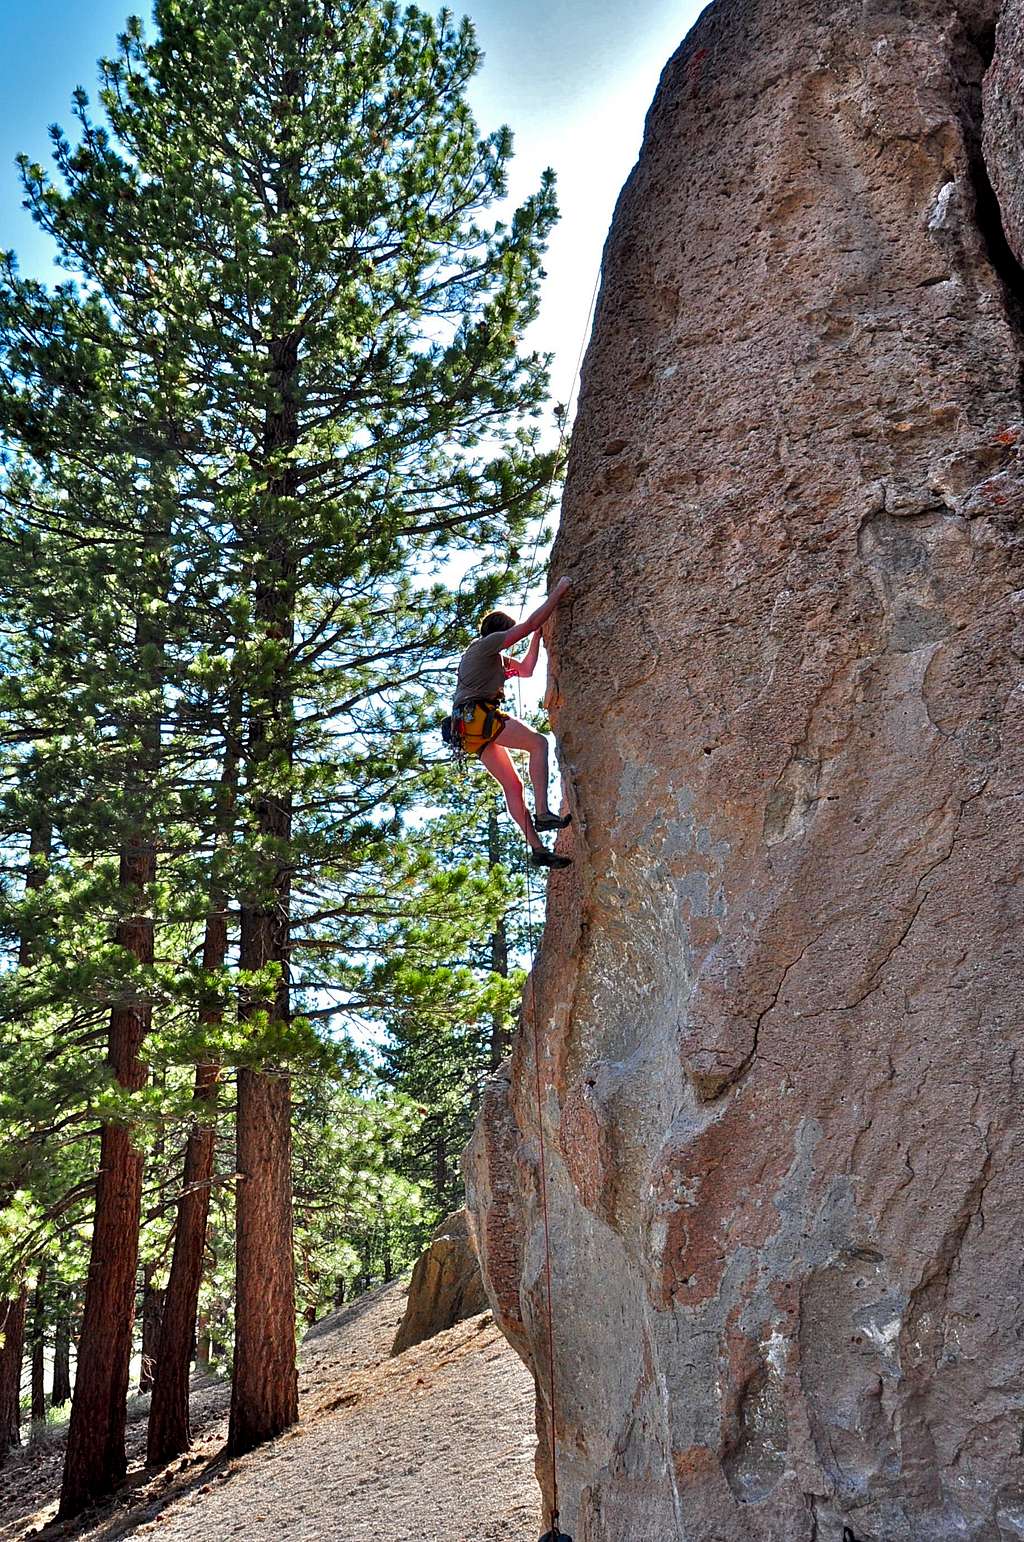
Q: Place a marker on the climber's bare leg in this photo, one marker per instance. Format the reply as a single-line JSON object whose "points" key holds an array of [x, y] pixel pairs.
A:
{"points": [[517, 736], [504, 772]]}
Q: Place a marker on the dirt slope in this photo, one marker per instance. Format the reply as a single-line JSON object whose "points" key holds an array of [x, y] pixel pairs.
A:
{"points": [[437, 1443]]}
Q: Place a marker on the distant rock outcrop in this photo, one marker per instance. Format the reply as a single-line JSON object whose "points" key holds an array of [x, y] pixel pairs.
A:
{"points": [[780, 991], [446, 1285]]}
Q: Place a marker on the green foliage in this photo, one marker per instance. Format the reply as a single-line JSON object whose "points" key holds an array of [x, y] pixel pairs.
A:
{"points": [[447, 1001], [279, 403]]}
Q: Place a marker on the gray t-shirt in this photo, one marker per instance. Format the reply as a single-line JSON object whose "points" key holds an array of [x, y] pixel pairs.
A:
{"points": [[482, 670]]}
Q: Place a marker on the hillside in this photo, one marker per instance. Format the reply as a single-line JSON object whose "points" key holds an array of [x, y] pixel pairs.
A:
{"points": [[435, 1443]]}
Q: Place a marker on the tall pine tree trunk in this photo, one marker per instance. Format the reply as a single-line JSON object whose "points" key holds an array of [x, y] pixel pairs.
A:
{"points": [[169, 1433], [204, 1345], [264, 1393], [95, 1460], [152, 1318], [61, 1392], [13, 1309], [38, 1410], [12, 1326]]}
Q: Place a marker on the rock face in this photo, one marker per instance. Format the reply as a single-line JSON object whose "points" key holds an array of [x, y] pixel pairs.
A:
{"points": [[446, 1285], [779, 998]]}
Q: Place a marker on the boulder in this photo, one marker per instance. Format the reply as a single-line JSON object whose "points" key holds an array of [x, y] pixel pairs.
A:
{"points": [[779, 997], [446, 1285]]}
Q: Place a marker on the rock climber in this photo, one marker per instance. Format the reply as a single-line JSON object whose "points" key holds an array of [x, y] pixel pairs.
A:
{"points": [[480, 724]]}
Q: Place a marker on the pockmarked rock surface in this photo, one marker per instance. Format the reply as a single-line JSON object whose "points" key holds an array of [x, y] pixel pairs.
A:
{"points": [[780, 991], [446, 1285]]}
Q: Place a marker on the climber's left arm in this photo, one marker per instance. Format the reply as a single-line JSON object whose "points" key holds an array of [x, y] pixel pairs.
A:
{"points": [[525, 666]]}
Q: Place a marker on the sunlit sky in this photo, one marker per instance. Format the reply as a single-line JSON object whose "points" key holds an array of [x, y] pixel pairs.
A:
{"points": [[572, 78]]}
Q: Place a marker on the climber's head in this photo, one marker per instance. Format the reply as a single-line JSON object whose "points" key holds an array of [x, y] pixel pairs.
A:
{"points": [[496, 621]]}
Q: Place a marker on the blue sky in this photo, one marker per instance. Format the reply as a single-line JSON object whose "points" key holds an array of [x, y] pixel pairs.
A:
{"points": [[572, 78]]}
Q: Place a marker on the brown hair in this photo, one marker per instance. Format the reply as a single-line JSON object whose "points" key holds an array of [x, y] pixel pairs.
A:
{"points": [[496, 621]]}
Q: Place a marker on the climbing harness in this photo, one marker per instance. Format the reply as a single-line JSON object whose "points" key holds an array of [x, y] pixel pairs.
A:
{"points": [[481, 722], [471, 728]]}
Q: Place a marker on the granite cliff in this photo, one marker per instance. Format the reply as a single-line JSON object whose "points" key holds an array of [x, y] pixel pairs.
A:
{"points": [[779, 997]]}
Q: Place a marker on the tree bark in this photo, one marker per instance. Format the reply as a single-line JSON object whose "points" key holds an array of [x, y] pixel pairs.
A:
{"points": [[61, 1393], [169, 1433], [264, 1392], [38, 1408], [13, 1310], [204, 1346], [95, 1461], [264, 1398], [12, 1325], [152, 1316]]}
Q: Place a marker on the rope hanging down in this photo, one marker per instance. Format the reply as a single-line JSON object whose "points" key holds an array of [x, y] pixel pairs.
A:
{"points": [[554, 1535], [563, 427]]}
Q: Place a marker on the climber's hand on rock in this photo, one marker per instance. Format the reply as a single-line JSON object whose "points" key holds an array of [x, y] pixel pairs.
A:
{"points": [[562, 587]]}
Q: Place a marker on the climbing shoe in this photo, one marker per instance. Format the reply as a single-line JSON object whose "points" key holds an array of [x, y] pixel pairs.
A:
{"points": [[553, 822], [541, 857]]}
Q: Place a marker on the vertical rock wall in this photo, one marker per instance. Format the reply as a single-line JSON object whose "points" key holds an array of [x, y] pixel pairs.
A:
{"points": [[780, 993]]}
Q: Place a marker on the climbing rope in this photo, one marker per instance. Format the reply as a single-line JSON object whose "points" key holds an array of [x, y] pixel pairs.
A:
{"points": [[563, 428], [554, 1535]]}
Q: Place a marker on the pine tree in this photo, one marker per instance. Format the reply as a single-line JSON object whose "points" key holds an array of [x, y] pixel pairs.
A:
{"points": [[246, 451], [96, 1459], [446, 1000], [12, 1349], [38, 1349], [61, 1391], [13, 1287]]}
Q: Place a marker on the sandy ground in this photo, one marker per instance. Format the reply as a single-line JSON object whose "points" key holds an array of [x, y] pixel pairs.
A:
{"points": [[436, 1444]]}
